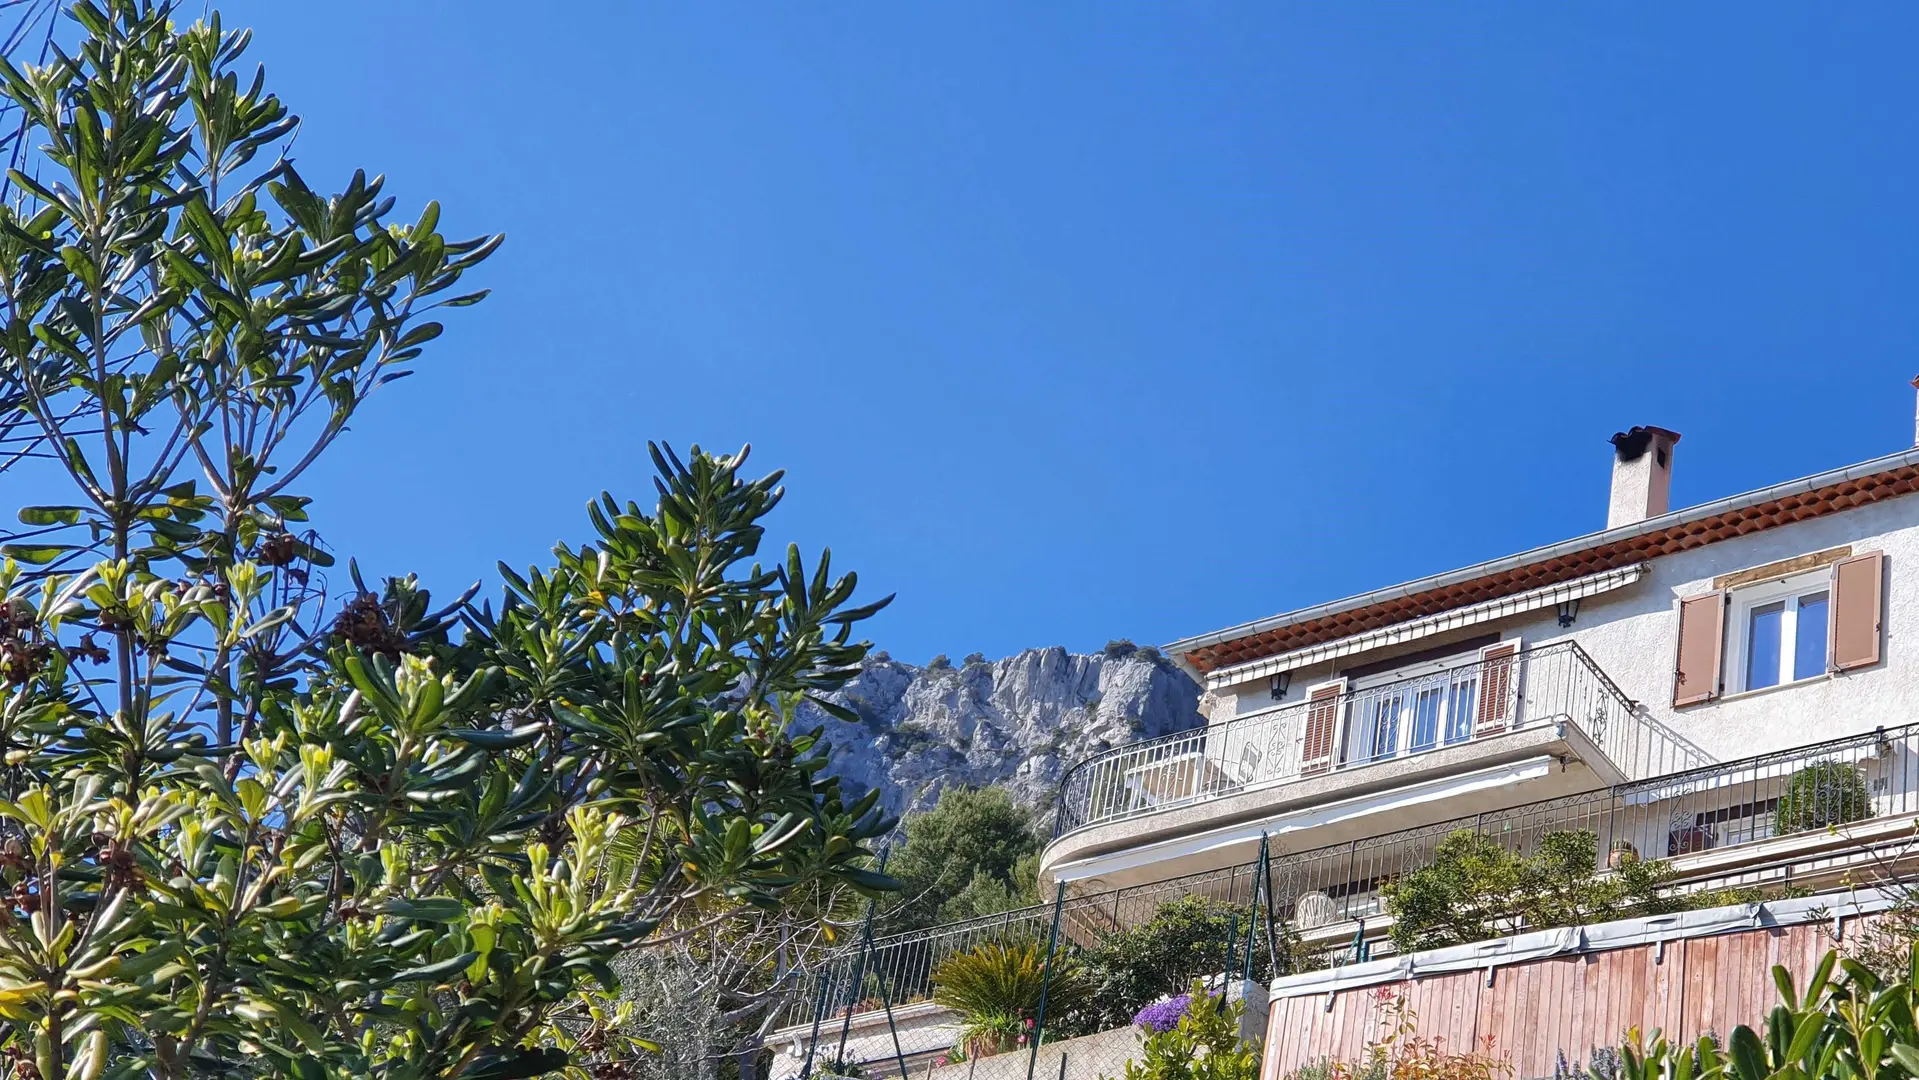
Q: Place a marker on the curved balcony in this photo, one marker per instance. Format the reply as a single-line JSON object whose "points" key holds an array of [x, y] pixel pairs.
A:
{"points": [[1450, 710]]}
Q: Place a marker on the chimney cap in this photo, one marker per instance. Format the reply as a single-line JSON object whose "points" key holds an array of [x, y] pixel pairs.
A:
{"points": [[1629, 445]]}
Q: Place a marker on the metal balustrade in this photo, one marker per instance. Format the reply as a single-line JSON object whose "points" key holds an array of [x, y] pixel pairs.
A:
{"points": [[1452, 707], [1792, 800]]}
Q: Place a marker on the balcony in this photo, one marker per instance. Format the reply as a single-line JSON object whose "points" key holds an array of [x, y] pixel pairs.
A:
{"points": [[1440, 736]]}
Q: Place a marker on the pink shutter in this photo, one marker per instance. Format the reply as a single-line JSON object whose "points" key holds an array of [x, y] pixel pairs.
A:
{"points": [[1702, 637], [1858, 600], [1497, 664], [1322, 727]]}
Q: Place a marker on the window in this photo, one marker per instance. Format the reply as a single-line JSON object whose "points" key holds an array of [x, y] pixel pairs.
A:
{"points": [[1779, 632], [1786, 622]]}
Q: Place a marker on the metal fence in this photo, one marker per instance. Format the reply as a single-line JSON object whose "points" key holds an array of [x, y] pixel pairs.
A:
{"points": [[1324, 900], [1331, 733]]}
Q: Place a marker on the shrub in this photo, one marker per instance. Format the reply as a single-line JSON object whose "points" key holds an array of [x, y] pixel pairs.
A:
{"points": [[1120, 647], [1203, 1045], [974, 658], [996, 990], [1475, 889], [939, 663], [1822, 794], [1185, 939]]}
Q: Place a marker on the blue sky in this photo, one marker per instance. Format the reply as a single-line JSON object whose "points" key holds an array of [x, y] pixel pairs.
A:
{"points": [[1083, 321]]}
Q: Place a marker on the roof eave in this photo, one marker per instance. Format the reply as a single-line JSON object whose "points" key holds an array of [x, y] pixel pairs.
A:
{"points": [[1902, 459]]}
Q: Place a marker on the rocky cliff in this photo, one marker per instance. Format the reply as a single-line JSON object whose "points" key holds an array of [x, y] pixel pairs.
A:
{"points": [[1020, 722]]}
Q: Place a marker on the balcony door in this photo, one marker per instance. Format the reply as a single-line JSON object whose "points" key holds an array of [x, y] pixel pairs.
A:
{"points": [[1427, 704]]}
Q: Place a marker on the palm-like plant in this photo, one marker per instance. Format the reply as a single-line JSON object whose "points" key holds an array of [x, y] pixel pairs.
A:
{"points": [[996, 990]]}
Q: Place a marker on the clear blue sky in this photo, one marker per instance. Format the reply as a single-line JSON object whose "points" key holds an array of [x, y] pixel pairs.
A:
{"points": [[1083, 321]]}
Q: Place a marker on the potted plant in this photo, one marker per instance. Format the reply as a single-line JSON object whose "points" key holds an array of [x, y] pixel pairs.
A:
{"points": [[996, 991], [1823, 794], [1621, 853]]}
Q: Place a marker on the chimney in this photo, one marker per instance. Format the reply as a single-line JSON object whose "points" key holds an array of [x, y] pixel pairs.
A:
{"points": [[1641, 475]]}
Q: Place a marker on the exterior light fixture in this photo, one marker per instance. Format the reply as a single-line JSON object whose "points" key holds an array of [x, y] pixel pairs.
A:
{"points": [[1881, 743], [1568, 611], [1279, 684]]}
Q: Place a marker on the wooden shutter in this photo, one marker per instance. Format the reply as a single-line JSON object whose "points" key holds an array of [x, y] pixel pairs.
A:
{"points": [[1858, 599], [1322, 727], [1498, 682], [1702, 639]]}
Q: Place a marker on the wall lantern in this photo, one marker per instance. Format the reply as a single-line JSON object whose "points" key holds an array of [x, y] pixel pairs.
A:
{"points": [[1881, 744], [1568, 611], [1279, 684]]}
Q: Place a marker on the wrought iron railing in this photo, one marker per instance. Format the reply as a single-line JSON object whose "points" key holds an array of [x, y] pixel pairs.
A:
{"points": [[1475, 702]]}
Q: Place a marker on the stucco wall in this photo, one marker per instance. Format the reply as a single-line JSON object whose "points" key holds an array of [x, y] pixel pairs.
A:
{"points": [[1631, 634]]}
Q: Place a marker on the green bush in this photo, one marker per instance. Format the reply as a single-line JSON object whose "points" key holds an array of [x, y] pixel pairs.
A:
{"points": [[1822, 794], [1185, 939], [1204, 1046], [1476, 889]]}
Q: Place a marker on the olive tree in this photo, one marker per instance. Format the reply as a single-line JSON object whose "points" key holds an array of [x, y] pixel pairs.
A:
{"points": [[252, 828]]}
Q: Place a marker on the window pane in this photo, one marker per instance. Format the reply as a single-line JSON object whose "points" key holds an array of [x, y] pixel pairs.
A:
{"points": [[1459, 709], [1809, 651], [1426, 718], [1762, 645]]}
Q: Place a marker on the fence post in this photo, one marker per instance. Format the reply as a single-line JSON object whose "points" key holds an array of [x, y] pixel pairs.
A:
{"points": [[1046, 980], [859, 971], [1263, 884], [813, 1040], [886, 1002]]}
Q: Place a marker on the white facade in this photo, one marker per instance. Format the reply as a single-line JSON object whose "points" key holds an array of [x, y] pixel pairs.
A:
{"points": [[1592, 700], [1632, 633]]}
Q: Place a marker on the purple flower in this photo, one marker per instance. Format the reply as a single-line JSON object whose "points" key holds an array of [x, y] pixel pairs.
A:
{"points": [[1163, 1015]]}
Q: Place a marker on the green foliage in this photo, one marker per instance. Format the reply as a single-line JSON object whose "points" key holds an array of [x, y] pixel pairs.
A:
{"points": [[1851, 1027], [1822, 794], [1184, 939], [1204, 1046], [973, 852], [246, 833], [996, 990], [1475, 889], [988, 895]]}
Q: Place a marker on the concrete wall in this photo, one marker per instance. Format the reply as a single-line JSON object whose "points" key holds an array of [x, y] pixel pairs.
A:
{"points": [[1631, 633], [1089, 1058]]}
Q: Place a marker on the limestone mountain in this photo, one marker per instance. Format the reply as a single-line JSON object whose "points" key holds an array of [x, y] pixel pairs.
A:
{"points": [[1020, 722]]}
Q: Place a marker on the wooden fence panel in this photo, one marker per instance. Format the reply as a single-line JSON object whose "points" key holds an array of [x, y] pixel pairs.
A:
{"points": [[1537, 1010]]}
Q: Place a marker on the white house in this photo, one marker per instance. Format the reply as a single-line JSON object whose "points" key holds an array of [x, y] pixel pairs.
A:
{"points": [[1659, 681]]}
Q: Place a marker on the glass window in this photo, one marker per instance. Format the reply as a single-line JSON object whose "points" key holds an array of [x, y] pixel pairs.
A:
{"points": [[1781, 636], [1426, 709], [1809, 645], [1762, 645], [1459, 709]]}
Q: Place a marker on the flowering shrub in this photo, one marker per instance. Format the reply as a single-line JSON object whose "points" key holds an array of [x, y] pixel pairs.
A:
{"points": [[1163, 1015], [1202, 1044]]}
